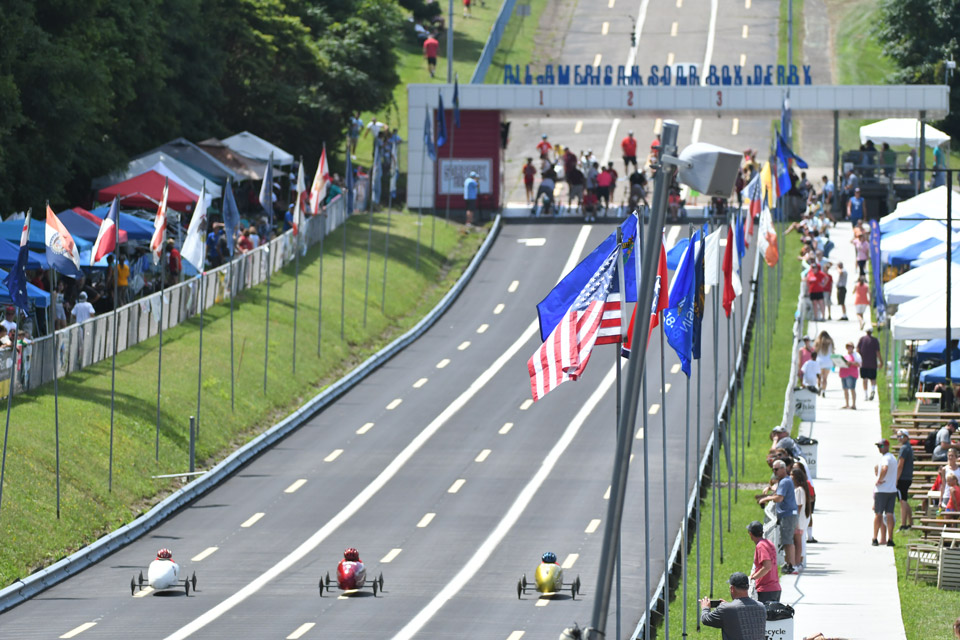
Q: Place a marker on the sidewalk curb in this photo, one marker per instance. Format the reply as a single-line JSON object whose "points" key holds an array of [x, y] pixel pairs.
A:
{"points": [[24, 589]]}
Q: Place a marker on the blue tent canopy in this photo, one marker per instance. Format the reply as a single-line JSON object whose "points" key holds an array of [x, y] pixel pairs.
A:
{"points": [[10, 230], [896, 226], [937, 348], [939, 374], [36, 295], [9, 253], [136, 228], [911, 253]]}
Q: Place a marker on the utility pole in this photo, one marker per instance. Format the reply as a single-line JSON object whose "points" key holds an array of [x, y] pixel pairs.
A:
{"points": [[450, 44]]}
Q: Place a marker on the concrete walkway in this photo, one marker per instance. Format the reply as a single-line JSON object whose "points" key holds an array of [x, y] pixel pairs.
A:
{"points": [[848, 588]]}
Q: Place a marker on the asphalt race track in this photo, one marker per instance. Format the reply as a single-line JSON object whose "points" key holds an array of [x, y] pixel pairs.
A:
{"points": [[463, 492]]}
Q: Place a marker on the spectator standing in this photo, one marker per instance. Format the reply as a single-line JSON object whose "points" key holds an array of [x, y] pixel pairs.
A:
{"points": [[430, 47], [374, 127], [939, 164], [827, 194], [848, 377], [862, 245], [466, 9], [544, 147], [911, 165], [855, 207], [943, 439], [111, 279], [629, 147], [174, 265], [816, 284], [123, 280], [905, 478], [861, 300], [950, 502], [83, 310], [355, 125], [529, 173], [842, 290], [807, 352], [604, 180], [824, 349], [575, 182], [804, 511], [764, 574], [869, 349], [9, 321], [471, 193], [782, 440], [884, 495], [743, 618], [786, 502], [950, 469]]}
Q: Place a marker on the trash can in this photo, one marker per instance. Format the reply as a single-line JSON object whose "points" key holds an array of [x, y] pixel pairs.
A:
{"points": [[779, 621], [808, 447]]}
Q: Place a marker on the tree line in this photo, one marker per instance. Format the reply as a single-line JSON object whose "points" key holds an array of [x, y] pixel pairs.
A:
{"points": [[86, 84]]}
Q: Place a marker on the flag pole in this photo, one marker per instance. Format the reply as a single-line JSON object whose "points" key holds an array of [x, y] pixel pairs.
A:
{"points": [[163, 279], [623, 323], [715, 467], [663, 432], [343, 270], [646, 472], [686, 463], [730, 391], [322, 219], [447, 221], [758, 295], [699, 502], [200, 303], [232, 291], [298, 213], [56, 374], [269, 199], [386, 246], [374, 175], [13, 380], [113, 363]]}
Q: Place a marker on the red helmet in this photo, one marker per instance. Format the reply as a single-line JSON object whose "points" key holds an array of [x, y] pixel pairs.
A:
{"points": [[164, 554], [351, 554]]}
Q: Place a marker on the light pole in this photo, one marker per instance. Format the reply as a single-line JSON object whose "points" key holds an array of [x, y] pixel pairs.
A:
{"points": [[450, 44]]}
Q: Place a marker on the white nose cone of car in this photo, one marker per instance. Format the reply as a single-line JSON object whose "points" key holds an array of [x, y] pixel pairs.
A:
{"points": [[163, 574]]}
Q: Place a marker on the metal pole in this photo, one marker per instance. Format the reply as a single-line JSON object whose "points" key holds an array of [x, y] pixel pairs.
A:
{"points": [[266, 335], [200, 358], [296, 293], [113, 363], [343, 276], [619, 404], [6, 429], [699, 503], [726, 420], [923, 154], [232, 291], [56, 374], [949, 353], [789, 37], [756, 351], [374, 174], [163, 282], [193, 443], [835, 202], [646, 508], [386, 255], [686, 477], [628, 418], [323, 234], [666, 534], [450, 43], [715, 465]]}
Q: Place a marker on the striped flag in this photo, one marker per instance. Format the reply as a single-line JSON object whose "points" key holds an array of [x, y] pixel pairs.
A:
{"points": [[321, 182], [301, 203], [566, 351], [661, 301], [160, 226], [61, 250], [107, 236]]}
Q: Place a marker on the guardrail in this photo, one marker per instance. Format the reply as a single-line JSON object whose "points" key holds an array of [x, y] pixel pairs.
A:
{"points": [[493, 41], [28, 587]]}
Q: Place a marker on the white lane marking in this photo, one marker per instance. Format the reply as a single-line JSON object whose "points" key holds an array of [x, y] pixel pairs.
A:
{"points": [[577, 128], [252, 520], [673, 28], [654, 409], [666, 387], [425, 520], [455, 487], [570, 560], [363, 497], [746, 4], [141, 593], [670, 58], [463, 345], [505, 429], [657, 126], [606, 494], [707, 59], [611, 3], [593, 526], [513, 286], [526, 404], [532, 242], [394, 404], [443, 363], [390, 557], [302, 629], [347, 593], [366, 427], [746, 32], [735, 127], [516, 635], [203, 555], [296, 485], [638, 29], [596, 60], [497, 310], [672, 235], [604, 29], [419, 383], [542, 601], [333, 455], [483, 328], [639, 437], [79, 630], [483, 552], [631, 455], [482, 455], [675, 368], [679, 4], [743, 59]]}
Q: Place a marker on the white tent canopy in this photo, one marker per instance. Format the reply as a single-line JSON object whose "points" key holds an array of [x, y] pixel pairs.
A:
{"points": [[933, 254], [256, 148], [900, 131], [923, 231], [925, 318], [929, 204], [167, 166], [919, 282]]}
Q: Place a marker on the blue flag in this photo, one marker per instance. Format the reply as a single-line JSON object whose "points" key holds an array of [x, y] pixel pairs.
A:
{"points": [[786, 117], [456, 101], [699, 296], [552, 309], [741, 238], [231, 216], [678, 318], [441, 124], [266, 189], [789, 154], [878, 300], [427, 137], [17, 278], [783, 176], [348, 183]]}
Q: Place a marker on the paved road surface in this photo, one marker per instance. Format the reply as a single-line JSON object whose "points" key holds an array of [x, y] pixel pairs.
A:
{"points": [[466, 490]]}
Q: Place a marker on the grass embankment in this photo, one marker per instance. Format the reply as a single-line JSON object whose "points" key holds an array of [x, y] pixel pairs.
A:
{"points": [[519, 42], [767, 410], [30, 533]]}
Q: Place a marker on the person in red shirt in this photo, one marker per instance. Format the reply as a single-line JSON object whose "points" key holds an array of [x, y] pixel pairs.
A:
{"points": [[764, 572], [816, 285], [430, 48], [629, 146], [604, 180], [544, 147], [828, 290], [529, 173], [174, 265]]}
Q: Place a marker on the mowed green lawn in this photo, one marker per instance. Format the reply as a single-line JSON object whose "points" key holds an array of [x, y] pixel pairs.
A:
{"points": [[30, 534]]}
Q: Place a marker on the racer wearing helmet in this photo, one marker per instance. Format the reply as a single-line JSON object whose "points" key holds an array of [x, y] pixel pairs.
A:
{"points": [[164, 554], [351, 555], [549, 558]]}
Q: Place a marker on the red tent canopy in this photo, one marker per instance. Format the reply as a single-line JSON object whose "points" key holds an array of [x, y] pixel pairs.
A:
{"points": [[83, 213], [145, 190]]}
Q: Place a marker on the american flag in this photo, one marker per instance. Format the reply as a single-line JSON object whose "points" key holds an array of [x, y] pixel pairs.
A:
{"points": [[566, 351]]}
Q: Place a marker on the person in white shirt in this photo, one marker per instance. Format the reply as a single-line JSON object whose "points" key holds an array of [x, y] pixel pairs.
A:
{"points": [[373, 127], [810, 375], [884, 496], [9, 321], [83, 310]]}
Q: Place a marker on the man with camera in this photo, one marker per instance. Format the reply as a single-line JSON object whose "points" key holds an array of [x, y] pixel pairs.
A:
{"points": [[743, 618]]}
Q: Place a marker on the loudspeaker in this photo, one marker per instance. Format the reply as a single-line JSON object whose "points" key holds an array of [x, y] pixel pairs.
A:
{"points": [[714, 169]]}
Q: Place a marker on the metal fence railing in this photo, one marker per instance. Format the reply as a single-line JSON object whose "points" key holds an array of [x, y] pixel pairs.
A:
{"points": [[493, 41], [84, 344]]}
